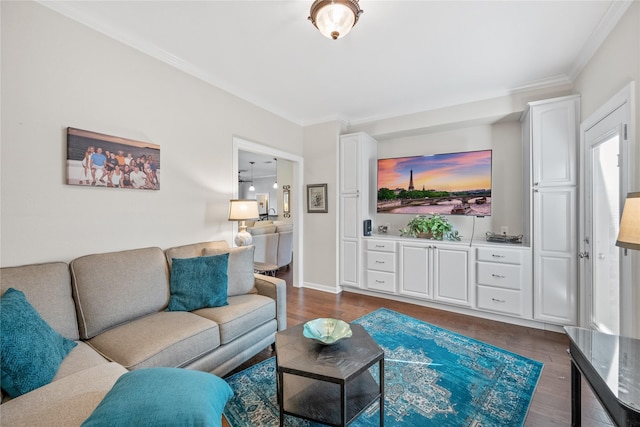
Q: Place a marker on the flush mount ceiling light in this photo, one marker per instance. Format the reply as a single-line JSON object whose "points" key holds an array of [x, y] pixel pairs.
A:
{"points": [[334, 18]]}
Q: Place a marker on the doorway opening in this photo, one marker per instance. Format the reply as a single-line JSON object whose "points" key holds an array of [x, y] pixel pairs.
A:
{"points": [[291, 176], [607, 168], [603, 219]]}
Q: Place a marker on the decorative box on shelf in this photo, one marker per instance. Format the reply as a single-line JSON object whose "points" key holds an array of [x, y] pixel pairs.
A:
{"points": [[503, 238]]}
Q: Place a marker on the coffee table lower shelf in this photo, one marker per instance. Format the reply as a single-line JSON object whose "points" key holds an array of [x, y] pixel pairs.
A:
{"points": [[312, 401]]}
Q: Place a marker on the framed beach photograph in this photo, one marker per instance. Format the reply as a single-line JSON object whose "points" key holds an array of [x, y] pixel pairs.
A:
{"points": [[317, 198], [98, 160]]}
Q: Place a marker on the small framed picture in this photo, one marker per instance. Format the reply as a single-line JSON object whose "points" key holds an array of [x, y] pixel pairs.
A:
{"points": [[317, 198]]}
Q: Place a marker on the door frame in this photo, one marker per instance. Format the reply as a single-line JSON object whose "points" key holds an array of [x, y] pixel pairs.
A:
{"points": [[625, 97], [297, 195]]}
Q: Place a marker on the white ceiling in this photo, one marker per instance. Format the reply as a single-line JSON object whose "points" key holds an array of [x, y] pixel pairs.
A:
{"points": [[263, 167], [402, 57]]}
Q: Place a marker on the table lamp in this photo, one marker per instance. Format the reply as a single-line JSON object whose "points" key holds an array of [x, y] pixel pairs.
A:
{"points": [[241, 210], [629, 235]]}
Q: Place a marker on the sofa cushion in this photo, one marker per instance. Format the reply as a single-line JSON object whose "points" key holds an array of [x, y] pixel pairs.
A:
{"points": [[48, 289], [80, 358], [117, 287], [244, 313], [240, 271], [31, 351], [163, 397], [192, 250], [63, 403], [199, 282], [167, 338]]}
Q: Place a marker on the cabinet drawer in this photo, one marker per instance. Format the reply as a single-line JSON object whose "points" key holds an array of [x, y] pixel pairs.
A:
{"points": [[381, 281], [500, 275], [508, 256], [381, 245], [501, 300], [381, 261]]}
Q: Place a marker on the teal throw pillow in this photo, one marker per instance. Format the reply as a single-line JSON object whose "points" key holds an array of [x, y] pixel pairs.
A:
{"points": [[31, 351], [157, 397], [198, 282]]}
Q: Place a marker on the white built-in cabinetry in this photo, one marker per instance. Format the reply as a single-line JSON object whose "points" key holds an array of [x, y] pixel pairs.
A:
{"points": [[484, 277], [535, 282], [550, 152], [358, 157]]}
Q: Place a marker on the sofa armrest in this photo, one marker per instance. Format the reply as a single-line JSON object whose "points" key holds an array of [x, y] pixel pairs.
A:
{"points": [[276, 289]]}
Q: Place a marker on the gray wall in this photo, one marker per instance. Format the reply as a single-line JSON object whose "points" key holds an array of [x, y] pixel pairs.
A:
{"points": [[58, 73]]}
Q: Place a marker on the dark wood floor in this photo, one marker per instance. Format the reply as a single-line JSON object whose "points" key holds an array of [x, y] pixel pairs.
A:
{"points": [[551, 405]]}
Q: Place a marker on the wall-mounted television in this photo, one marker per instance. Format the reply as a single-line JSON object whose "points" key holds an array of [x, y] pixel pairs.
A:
{"points": [[445, 184]]}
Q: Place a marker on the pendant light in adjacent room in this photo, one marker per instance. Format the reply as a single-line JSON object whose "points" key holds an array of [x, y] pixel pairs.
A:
{"points": [[252, 188], [275, 184]]}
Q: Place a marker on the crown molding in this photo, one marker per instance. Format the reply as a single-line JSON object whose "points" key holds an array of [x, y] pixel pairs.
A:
{"points": [[614, 13], [162, 55], [546, 83]]}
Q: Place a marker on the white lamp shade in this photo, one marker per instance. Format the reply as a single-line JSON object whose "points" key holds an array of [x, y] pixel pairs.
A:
{"points": [[242, 209], [629, 235]]}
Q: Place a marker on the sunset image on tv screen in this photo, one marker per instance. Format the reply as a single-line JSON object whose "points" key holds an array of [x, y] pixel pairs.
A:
{"points": [[453, 183]]}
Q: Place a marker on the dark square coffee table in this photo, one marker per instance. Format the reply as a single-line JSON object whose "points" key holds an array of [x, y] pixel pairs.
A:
{"points": [[330, 384]]}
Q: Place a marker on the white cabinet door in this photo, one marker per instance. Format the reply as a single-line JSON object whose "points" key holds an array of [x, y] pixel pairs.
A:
{"points": [[350, 164], [554, 143], [415, 271], [349, 241], [554, 254], [451, 276], [349, 250], [350, 226]]}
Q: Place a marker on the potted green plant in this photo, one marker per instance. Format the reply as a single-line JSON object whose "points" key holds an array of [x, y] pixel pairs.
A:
{"points": [[434, 227]]}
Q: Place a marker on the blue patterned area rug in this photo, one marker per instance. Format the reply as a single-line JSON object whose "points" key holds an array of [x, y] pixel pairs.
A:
{"points": [[433, 377]]}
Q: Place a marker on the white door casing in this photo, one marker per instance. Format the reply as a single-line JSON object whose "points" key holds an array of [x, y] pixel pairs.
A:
{"points": [[615, 117]]}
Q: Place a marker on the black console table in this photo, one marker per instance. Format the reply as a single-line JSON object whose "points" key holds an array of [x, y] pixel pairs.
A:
{"points": [[611, 366]]}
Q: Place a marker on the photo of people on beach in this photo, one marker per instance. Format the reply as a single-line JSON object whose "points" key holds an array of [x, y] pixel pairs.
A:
{"points": [[98, 160]]}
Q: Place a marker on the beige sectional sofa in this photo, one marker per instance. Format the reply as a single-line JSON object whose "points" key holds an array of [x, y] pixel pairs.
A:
{"points": [[113, 305]]}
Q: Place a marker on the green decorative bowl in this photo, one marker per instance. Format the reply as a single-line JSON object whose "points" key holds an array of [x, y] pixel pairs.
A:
{"points": [[327, 331]]}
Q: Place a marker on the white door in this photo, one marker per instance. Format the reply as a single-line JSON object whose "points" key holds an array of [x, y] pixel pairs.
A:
{"points": [[606, 272]]}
